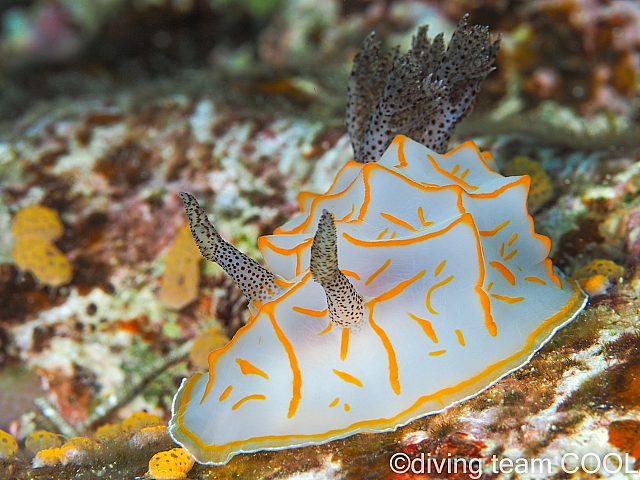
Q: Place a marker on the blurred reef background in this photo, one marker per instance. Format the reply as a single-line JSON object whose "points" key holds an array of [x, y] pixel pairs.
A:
{"points": [[109, 108]]}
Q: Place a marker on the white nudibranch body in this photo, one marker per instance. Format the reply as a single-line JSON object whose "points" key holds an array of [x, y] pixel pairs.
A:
{"points": [[454, 287]]}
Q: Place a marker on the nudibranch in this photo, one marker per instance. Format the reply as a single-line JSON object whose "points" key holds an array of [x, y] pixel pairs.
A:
{"points": [[415, 282]]}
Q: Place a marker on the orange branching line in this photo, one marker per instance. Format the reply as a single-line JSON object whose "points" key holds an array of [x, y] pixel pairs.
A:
{"points": [[311, 313], [448, 175], [507, 299], [486, 155], [426, 326], [397, 289], [486, 306], [282, 283], [381, 234], [307, 221], [459, 203], [491, 233], [535, 279], [397, 221], [464, 146], [344, 344], [460, 337], [264, 242], [378, 272], [367, 190], [504, 271], [526, 182], [437, 353], [492, 328], [346, 217], [498, 191], [511, 255], [440, 267], [349, 273], [249, 369], [399, 139], [299, 250], [423, 186], [393, 363], [391, 354], [213, 357], [293, 362], [246, 399], [225, 394], [432, 289], [366, 170], [347, 377], [326, 330], [403, 241], [302, 197], [552, 274], [422, 220]]}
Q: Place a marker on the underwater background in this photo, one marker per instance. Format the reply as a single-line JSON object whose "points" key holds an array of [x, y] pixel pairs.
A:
{"points": [[109, 108]]}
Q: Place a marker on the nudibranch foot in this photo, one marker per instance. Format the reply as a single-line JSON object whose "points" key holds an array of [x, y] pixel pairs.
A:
{"points": [[256, 282], [345, 304]]}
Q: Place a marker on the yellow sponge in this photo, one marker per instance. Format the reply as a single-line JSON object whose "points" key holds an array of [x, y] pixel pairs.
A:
{"points": [[43, 259], [541, 189], [38, 221], [42, 440], [8, 446], [112, 432], [35, 229], [139, 420], [181, 275], [170, 465], [49, 457], [151, 436], [206, 342], [596, 277]]}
